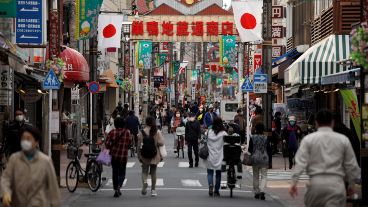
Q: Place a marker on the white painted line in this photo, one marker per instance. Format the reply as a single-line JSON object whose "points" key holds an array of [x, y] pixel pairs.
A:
{"points": [[130, 164], [176, 189], [161, 164], [159, 182], [183, 164], [110, 183], [191, 183]]}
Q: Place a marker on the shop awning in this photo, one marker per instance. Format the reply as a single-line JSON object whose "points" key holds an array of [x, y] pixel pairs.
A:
{"points": [[320, 60], [341, 77], [109, 78], [77, 69]]}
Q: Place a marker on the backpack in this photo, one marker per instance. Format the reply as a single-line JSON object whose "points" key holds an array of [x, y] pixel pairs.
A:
{"points": [[149, 149]]}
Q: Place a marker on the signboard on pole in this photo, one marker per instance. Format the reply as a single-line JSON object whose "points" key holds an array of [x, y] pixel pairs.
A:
{"points": [[7, 8], [145, 89], [29, 22], [51, 81], [247, 85], [94, 87], [260, 83]]}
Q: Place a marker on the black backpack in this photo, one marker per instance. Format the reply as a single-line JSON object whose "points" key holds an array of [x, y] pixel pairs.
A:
{"points": [[149, 149]]}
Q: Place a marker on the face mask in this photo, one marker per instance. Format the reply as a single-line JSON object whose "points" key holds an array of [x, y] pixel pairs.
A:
{"points": [[19, 118], [177, 115], [26, 145], [292, 123], [200, 110]]}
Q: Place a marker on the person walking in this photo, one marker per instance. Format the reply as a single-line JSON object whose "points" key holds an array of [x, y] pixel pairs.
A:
{"points": [[159, 119], [215, 143], [149, 140], [276, 132], [118, 142], [258, 148], [176, 122], [29, 178], [200, 116], [241, 122], [291, 136], [328, 158], [257, 118], [192, 137], [169, 116], [209, 117], [132, 123]]}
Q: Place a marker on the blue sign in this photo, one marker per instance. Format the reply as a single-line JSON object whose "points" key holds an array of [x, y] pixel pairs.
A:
{"points": [[29, 22], [94, 87], [260, 78], [247, 85], [51, 81]]}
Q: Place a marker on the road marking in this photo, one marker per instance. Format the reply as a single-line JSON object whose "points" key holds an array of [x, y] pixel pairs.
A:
{"points": [[190, 183], [183, 164], [176, 189], [224, 184], [159, 182], [161, 164], [110, 183], [130, 164]]}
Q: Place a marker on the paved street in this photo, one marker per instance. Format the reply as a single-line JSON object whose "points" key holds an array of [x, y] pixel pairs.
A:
{"points": [[176, 185]]}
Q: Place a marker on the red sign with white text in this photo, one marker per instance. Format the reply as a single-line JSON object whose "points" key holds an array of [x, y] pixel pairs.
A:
{"points": [[257, 61]]}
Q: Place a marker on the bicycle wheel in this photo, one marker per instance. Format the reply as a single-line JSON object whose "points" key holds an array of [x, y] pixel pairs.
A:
{"points": [[93, 174], [72, 176]]}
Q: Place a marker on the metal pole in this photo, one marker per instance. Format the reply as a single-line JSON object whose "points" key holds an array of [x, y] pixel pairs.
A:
{"points": [[248, 122], [90, 120], [240, 70], [50, 122], [136, 83]]}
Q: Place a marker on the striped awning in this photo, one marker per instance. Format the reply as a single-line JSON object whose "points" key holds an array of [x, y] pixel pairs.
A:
{"points": [[320, 60]]}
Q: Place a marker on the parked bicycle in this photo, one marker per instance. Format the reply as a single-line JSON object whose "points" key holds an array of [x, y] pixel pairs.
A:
{"points": [[180, 133], [75, 173]]}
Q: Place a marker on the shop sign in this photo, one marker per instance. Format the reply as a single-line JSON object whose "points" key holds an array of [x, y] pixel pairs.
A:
{"points": [[86, 18], [6, 78], [260, 83], [189, 28], [75, 96], [257, 61], [7, 8], [228, 53], [277, 32], [145, 89], [54, 40], [276, 51], [144, 56], [31, 96], [277, 12], [29, 22]]}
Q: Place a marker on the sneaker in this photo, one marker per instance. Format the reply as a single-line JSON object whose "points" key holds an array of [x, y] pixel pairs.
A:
{"points": [[116, 195], [262, 196], [144, 189], [153, 193], [217, 194], [210, 191], [257, 196], [196, 165]]}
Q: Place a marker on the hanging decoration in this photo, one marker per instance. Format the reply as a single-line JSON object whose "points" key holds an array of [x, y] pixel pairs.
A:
{"points": [[227, 51], [59, 66], [359, 41]]}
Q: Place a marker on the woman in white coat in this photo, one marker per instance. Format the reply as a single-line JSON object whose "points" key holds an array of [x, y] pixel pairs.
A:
{"points": [[215, 145]]}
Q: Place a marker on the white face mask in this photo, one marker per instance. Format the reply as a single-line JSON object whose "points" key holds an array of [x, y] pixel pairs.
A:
{"points": [[191, 118], [26, 145], [19, 118]]}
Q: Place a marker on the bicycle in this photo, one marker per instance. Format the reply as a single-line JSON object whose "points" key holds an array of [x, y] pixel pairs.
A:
{"points": [[133, 147], [180, 133], [232, 152], [75, 173]]}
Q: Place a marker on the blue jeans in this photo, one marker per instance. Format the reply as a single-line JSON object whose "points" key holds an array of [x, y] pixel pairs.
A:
{"points": [[210, 179]]}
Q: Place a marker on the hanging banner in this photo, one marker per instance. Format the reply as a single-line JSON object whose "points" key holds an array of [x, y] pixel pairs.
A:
{"points": [[144, 56], [206, 76], [227, 51], [86, 14], [219, 81], [7, 8], [351, 101], [194, 75], [176, 66], [213, 79], [162, 57]]}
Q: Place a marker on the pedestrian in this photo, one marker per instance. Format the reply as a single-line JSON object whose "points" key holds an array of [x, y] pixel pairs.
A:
{"points": [[176, 122], [149, 140], [291, 136], [195, 108], [215, 143], [192, 137], [29, 178], [209, 117], [328, 159], [241, 122], [341, 128], [125, 111], [158, 118], [118, 142], [110, 126], [119, 108], [132, 123], [257, 118], [258, 148], [13, 133], [170, 115], [276, 132], [200, 116]]}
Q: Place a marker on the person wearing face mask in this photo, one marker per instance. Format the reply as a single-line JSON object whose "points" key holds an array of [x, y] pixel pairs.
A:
{"points": [[210, 115], [29, 178], [176, 121], [200, 115], [13, 133], [291, 136], [192, 137]]}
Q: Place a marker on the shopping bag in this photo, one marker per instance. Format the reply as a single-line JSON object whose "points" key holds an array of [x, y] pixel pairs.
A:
{"points": [[203, 152], [246, 159], [104, 157], [163, 151]]}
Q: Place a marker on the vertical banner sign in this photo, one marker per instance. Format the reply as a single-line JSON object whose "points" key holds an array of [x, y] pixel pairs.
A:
{"points": [[351, 101], [7, 8], [207, 76], [162, 57], [176, 66], [227, 51], [86, 18], [54, 40], [127, 60], [29, 22], [144, 57], [194, 75], [257, 61]]}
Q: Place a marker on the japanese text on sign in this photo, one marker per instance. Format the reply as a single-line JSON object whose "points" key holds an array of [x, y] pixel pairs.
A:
{"points": [[277, 12], [29, 22]]}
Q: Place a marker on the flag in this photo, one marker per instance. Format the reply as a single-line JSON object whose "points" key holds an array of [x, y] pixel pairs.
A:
{"points": [[109, 30], [183, 65], [248, 19]]}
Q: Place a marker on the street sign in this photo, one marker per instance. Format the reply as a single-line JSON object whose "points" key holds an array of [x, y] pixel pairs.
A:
{"points": [[29, 22], [51, 81], [94, 87], [247, 85], [260, 83]]}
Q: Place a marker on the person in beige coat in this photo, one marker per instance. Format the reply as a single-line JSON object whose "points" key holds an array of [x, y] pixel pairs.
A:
{"points": [[29, 178], [150, 165]]}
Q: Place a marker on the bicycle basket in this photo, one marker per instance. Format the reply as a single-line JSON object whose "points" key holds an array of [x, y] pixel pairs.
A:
{"points": [[72, 152], [180, 131]]}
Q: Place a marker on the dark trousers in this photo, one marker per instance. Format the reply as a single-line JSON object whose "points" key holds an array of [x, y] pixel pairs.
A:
{"points": [[193, 145], [242, 136], [118, 173], [291, 154]]}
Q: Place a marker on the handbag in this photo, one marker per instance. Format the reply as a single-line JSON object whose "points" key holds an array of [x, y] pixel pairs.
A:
{"points": [[247, 159], [203, 152], [104, 157], [163, 151]]}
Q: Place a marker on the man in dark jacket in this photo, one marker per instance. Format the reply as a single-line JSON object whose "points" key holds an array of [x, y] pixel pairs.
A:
{"points": [[13, 133], [192, 136], [132, 123]]}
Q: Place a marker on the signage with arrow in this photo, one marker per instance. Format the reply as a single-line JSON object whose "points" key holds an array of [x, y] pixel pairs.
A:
{"points": [[29, 22], [260, 83], [247, 85], [51, 81]]}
